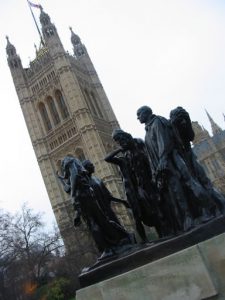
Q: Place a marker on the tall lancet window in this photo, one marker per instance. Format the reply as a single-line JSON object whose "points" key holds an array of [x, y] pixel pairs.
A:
{"points": [[89, 102], [45, 117], [53, 110], [95, 101], [62, 105]]}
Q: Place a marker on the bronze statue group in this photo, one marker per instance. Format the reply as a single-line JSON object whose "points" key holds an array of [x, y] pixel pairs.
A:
{"points": [[165, 186]]}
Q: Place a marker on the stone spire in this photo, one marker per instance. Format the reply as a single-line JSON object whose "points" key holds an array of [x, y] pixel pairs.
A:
{"points": [[10, 49], [215, 128], [51, 38], [201, 134], [45, 19], [13, 58], [78, 48]]}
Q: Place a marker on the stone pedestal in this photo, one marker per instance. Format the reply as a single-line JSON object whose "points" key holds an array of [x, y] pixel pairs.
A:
{"points": [[194, 273]]}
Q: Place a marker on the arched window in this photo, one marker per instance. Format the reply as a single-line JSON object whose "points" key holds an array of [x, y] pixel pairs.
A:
{"points": [[61, 104], [53, 110], [79, 153], [44, 116], [89, 103], [95, 102]]}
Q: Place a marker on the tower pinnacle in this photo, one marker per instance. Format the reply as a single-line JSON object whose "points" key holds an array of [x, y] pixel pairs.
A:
{"points": [[13, 58], [44, 18], [215, 128], [78, 48], [51, 38], [75, 39], [10, 49]]}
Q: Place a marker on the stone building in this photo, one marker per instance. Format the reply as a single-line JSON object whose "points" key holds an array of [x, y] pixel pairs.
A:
{"points": [[210, 151], [66, 111]]}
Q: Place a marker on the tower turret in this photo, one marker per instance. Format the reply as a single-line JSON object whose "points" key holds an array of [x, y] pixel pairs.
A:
{"points": [[215, 128], [50, 34], [13, 59], [15, 66], [83, 58], [78, 48]]}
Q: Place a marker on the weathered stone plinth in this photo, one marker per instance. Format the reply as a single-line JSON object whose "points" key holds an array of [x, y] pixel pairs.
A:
{"points": [[142, 255], [194, 273]]}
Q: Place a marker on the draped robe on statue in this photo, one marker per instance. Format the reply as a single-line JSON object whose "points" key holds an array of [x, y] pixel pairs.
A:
{"points": [[161, 149]]}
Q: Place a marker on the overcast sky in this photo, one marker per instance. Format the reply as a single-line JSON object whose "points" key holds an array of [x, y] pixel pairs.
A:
{"points": [[161, 53]]}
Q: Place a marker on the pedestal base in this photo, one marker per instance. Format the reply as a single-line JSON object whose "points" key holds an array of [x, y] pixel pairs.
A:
{"points": [[194, 273], [141, 255]]}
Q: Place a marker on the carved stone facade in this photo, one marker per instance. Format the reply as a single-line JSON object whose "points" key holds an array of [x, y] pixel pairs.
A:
{"points": [[66, 112], [210, 151]]}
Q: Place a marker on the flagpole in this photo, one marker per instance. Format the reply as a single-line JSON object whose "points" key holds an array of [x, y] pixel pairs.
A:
{"points": [[42, 42]]}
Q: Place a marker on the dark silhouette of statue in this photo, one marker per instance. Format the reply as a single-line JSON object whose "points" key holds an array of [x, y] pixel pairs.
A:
{"points": [[107, 233], [181, 124], [102, 193], [166, 165], [134, 167]]}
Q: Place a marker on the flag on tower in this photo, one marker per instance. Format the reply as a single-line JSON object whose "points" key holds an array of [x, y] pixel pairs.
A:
{"points": [[40, 7], [34, 5]]}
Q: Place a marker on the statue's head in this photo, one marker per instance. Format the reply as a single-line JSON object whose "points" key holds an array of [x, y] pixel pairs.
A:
{"points": [[124, 139], [65, 162], [179, 114], [71, 160], [143, 113], [180, 119], [88, 165]]}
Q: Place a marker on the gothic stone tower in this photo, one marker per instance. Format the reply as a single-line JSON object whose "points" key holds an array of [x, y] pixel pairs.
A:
{"points": [[210, 151], [66, 112]]}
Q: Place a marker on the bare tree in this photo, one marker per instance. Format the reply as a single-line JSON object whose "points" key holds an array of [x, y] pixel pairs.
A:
{"points": [[33, 245], [7, 253], [26, 248]]}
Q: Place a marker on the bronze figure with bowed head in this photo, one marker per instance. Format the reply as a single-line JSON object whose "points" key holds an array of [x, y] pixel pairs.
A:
{"points": [[107, 233], [209, 202]]}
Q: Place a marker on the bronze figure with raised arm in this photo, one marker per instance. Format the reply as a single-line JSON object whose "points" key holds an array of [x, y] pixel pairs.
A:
{"points": [[132, 161]]}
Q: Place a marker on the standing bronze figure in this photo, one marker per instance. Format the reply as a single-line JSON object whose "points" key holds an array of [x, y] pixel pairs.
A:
{"points": [[166, 164], [103, 195], [107, 233], [213, 200], [132, 160]]}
